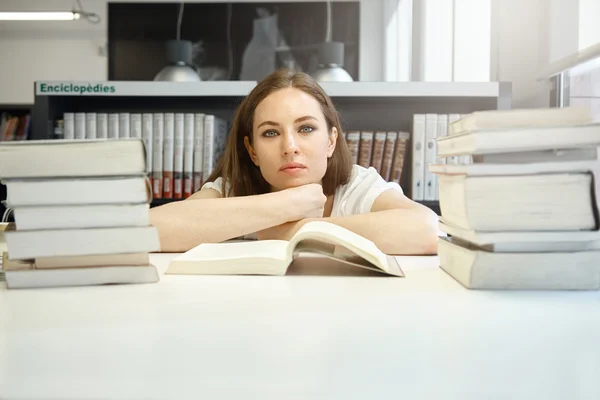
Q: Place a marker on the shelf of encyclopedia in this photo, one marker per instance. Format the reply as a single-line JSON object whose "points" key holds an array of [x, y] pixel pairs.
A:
{"points": [[242, 88]]}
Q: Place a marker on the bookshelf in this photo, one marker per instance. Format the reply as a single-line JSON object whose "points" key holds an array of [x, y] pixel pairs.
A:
{"points": [[6, 111], [386, 106]]}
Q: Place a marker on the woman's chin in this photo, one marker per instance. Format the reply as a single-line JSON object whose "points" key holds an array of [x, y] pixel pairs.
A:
{"points": [[292, 183]]}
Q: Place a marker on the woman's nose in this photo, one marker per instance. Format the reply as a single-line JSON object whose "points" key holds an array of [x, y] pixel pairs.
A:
{"points": [[290, 145]]}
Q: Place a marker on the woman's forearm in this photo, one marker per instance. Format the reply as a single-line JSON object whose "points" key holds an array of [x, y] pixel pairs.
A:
{"points": [[399, 231], [184, 224]]}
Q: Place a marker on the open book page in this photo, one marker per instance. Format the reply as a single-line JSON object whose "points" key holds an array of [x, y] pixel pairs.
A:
{"points": [[346, 256], [327, 233], [268, 257], [274, 249]]}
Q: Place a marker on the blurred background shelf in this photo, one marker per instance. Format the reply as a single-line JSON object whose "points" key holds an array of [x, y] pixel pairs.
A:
{"points": [[363, 106]]}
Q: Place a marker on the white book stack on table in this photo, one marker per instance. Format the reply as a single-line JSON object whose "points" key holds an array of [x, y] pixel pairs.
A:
{"points": [[524, 214], [81, 211]]}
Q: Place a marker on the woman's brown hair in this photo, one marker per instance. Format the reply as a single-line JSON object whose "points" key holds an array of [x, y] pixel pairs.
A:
{"points": [[237, 169]]}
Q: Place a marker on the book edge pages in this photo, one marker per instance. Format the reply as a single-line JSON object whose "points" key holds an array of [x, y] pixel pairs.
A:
{"points": [[375, 257]]}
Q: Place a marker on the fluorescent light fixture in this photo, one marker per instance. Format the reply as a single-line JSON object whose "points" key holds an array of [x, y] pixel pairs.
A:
{"points": [[38, 15]]}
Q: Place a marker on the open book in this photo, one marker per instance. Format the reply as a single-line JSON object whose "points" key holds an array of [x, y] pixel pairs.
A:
{"points": [[273, 257]]}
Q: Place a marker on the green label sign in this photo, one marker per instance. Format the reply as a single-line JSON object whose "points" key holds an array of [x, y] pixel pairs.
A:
{"points": [[76, 88]]}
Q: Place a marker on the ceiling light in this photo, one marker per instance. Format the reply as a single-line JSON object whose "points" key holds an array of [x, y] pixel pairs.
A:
{"points": [[38, 15]]}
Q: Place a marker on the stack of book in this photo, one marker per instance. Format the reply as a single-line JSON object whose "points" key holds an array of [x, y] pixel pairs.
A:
{"points": [[524, 214], [81, 211]]}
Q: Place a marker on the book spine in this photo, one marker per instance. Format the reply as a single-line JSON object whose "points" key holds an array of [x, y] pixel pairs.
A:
{"points": [[418, 157], [209, 152], [442, 130], [178, 160], [366, 149], [124, 131], [158, 127], [102, 125], [388, 155], [188, 155], [69, 125], [353, 141], [90, 125], [219, 140], [168, 155], [399, 156], [135, 121], [431, 124], [148, 140], [198, 150], [80, 125], [113, 126], [378, 147]]}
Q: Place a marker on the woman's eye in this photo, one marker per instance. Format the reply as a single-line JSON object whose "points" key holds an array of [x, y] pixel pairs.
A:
{"points": [[269, 133], [307, 129]]}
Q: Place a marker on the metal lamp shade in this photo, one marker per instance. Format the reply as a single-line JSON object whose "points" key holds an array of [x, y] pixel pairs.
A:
{"points": [[179, 57], [331, 60]]}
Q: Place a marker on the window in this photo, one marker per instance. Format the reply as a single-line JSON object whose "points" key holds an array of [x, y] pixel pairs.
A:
{"points": [[589, 28], [438, 40]]}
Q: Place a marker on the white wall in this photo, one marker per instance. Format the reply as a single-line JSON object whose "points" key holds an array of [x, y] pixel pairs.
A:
{"points": [[46, 59], [563, 28], [372, 28], [589, 23], [71, 49], [49, 50], [520, 49], [472, 41]]}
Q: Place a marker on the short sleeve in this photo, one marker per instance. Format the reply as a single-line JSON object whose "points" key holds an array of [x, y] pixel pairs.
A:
{"points": [[217, 185], [359, 194]]}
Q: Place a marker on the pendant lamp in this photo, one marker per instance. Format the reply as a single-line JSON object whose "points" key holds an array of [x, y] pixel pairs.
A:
{"points": [[179, 59], [331, 57]]}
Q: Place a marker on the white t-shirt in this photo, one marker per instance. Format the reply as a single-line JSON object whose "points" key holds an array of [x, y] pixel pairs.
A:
{"points": [[355, 197]]}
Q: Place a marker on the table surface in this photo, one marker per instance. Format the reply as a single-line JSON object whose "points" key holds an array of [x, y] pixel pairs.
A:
{"points": [[299, 336]]}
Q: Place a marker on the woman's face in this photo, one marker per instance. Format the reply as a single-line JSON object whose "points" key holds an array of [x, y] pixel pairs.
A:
{"points": [[291, 143]]}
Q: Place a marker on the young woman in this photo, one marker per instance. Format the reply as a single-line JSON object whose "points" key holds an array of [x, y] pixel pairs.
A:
{"points": [[286, 163]]}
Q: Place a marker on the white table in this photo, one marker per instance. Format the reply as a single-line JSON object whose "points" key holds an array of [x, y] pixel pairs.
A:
{"points": [[299, 337]]}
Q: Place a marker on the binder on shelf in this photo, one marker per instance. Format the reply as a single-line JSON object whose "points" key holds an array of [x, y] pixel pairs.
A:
{"points": [[430, 181], [418, 158]]}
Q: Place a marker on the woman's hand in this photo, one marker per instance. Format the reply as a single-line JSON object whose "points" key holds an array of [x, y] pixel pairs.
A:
{"points": [[306, 201]]}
